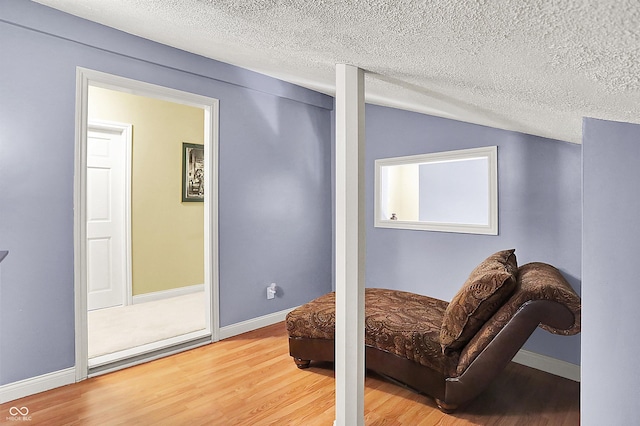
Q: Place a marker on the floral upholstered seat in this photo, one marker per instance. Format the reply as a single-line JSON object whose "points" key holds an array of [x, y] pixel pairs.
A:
{"points": [[449, 350], [405, 324]]}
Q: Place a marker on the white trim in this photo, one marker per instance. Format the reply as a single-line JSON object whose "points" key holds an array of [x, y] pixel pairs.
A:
{"points": [[253, 324], [137, 361], [140, 351], [79, 231], [167, 294], [84, 78], [211, 244], [548, 364], [33, 385]]}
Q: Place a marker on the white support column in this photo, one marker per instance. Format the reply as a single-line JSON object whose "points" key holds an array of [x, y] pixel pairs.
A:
{"points": [[350, 246]]}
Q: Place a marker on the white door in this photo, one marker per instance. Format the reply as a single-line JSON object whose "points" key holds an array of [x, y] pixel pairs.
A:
{"points": [[106, 250]]}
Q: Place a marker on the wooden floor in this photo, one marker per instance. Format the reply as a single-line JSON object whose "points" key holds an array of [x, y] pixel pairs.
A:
{"points": [[251, 380]]}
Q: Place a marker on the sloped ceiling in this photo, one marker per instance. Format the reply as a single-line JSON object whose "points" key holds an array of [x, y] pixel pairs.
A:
{"points": [[531, 66]]}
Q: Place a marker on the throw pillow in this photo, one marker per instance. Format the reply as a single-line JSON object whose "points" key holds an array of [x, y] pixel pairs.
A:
{"points": [[487, 287]]}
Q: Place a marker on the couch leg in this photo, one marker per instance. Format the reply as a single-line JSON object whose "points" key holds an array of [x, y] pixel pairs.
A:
{"points": [[446, 408], [302, 363]]}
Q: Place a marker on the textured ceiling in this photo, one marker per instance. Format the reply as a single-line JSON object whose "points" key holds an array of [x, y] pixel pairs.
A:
{"points": [[532, 66]]}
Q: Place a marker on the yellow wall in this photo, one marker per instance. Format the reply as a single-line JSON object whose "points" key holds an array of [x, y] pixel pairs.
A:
{"points": [[167, 235], [404, 197]]}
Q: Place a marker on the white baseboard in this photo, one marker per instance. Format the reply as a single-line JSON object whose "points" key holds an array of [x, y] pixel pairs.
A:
{"points": [[37, 384], [166, 294], [548, 364], [253, 324]]}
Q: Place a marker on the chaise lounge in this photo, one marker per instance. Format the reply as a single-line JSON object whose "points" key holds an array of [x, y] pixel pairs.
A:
{"points": [[449, 351]]}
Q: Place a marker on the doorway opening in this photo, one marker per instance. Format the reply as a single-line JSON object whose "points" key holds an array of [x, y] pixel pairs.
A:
{"points": [[145, 261]]}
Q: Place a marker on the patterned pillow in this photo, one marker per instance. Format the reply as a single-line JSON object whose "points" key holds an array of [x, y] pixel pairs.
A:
{"points": [[487, 287]]}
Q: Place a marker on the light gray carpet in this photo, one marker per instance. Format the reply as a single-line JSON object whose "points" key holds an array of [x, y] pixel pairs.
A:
{"points": [[124, 327]]}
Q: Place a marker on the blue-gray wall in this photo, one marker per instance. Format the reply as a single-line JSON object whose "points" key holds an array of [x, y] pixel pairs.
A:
{"points": [[539, 212], [275, 187], [275, 174], [611, 240]]}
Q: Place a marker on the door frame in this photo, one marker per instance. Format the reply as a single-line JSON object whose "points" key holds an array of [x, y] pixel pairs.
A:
{"points": [[126, 133], [85, 78]]}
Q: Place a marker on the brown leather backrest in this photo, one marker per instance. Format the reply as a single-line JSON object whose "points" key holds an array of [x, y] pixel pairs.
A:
{"points": [[536, 281]]}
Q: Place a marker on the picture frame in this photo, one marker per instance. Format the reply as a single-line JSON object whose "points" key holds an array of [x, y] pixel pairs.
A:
{"points": [[192, 172]]}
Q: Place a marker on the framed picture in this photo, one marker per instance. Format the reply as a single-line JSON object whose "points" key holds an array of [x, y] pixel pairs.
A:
{"points": [[192, 172]]}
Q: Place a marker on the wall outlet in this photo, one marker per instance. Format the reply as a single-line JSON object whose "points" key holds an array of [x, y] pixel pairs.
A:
{"points": [[271, 291]]}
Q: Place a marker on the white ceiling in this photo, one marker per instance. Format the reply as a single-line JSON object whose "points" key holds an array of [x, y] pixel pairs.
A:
{"points": [[532, 66]]}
